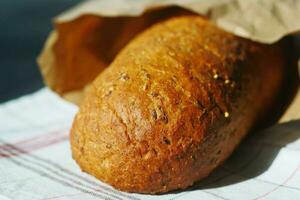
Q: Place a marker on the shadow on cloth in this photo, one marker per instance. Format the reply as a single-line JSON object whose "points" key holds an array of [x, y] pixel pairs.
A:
{"points": [[254, 156]]}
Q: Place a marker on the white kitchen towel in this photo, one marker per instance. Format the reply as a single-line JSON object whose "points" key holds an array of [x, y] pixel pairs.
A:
{"points": [[36, 162]]}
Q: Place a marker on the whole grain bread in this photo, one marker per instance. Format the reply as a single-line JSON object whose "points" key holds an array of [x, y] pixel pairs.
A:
{"points": [[173, 105]]}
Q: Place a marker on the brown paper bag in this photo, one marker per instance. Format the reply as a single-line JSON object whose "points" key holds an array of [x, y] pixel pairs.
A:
{"points": [[86, 39]]}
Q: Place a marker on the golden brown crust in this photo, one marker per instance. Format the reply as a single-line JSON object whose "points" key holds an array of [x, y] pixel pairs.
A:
{"points": [[85, 46], [173, 105]]}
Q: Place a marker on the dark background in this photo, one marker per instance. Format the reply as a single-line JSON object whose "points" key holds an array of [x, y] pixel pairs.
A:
{"points": [[24, 26]]}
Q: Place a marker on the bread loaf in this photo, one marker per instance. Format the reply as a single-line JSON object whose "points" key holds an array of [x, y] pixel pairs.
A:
{"points": [[173, 105]]}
